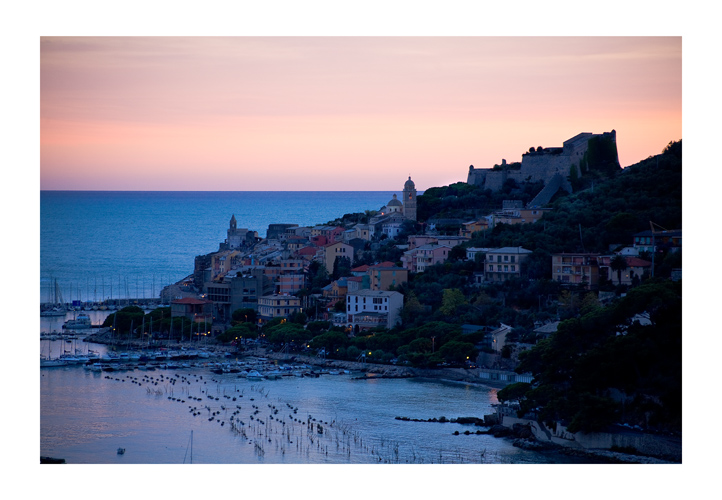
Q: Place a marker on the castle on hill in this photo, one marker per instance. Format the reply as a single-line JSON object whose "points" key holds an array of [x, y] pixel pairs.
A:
{"points": [[543, 164]]}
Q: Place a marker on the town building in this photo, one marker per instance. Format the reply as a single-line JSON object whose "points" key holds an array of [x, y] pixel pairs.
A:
{"points": [[239, 237], [387, 274], [277, 306], [417, 240], [576, 269], [648, 241], [418, 259], [279, 231], [197, 310], [635, 267], [290, 283], [469, 228], [505, 263], [517, 215], [238, 290], [366, 309], [333, 251]]}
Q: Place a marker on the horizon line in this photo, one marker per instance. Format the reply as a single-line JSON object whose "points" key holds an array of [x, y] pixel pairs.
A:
{"points": [[217, 190]]}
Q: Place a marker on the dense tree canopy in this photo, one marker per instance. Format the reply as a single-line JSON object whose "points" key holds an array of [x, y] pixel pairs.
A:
{"points": [[601, 368]]}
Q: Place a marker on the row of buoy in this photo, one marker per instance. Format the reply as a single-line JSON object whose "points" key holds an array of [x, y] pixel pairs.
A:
{"points": [[262, 429]]}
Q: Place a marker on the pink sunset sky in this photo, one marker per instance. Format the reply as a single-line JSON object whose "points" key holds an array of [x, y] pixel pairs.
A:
{"points": [[339, 113]]}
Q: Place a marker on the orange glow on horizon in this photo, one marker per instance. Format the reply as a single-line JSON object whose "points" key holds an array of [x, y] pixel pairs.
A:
{"points": [[317, 113]]}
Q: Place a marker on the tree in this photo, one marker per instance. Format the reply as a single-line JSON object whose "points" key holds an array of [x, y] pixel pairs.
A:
{"points": [[514, 391], [412, 308], [590, 303], [318, 276], [341, 267], [330, 341], [285, 333], [240, 331], [458, 352], [451, 300], [124, 318], [244, 315], [569, 302], [619, 264], [457, 253]]}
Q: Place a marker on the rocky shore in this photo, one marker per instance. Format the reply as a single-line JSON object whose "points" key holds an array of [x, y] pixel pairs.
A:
{"points": [[522, 437]]}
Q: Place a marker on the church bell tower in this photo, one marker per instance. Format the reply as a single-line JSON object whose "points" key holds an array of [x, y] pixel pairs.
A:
{"points": [[410, 199]]}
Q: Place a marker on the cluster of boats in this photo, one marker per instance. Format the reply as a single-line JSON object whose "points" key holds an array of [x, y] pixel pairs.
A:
{"points": [[62, 310], [267, 371], [122, 358], [133, 360]]}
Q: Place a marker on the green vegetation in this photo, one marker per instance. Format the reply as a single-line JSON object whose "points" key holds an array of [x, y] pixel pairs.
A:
{"points": [[158, 324], [462, 200], [600, 368]]}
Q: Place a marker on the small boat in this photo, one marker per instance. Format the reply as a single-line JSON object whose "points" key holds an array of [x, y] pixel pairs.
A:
{"points": [[82, 321], [51, 363], [121, 451], [53, 312], [254, 375]]}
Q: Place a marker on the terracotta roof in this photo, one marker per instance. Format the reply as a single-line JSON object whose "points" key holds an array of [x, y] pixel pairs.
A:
{"points": [[306, 251], [385, 265], [360, 269]]}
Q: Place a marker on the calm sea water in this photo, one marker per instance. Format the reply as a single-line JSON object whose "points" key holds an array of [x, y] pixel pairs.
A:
{"points": [[100, 245], [86, 416]]}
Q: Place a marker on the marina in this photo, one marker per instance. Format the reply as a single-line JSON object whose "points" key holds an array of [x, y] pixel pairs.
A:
{"points": [[87, 415], [256, 410]]}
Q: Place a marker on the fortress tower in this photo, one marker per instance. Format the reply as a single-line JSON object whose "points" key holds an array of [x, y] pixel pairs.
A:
{"points": [[409, 199]]}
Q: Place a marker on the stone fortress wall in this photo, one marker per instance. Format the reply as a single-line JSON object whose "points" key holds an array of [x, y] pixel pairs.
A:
{"points": [[538, 165]]}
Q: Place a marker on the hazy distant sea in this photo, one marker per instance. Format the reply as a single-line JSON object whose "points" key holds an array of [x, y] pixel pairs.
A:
{"points": [[101, 244]]}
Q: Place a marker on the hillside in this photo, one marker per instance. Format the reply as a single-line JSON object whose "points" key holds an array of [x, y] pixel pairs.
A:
{"points": [[607, 213]]}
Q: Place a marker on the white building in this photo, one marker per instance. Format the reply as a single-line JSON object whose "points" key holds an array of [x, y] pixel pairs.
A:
{"points": [[367, 309]]}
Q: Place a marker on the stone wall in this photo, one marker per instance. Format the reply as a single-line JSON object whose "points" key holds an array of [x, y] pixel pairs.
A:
{"points": [[539, 165]]}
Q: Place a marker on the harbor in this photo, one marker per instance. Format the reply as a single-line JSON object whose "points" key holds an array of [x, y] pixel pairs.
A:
{"points": [[293, 413]]}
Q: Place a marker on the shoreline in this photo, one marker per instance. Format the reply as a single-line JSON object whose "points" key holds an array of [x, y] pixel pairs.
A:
{"points": [[371, 370], [374, 371]]}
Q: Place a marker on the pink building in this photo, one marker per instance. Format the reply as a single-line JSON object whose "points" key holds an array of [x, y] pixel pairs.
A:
{"points": [[418, 259]]}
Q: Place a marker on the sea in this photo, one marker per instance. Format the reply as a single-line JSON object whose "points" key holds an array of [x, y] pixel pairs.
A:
{"points": [[114, 245], [101, 245]]}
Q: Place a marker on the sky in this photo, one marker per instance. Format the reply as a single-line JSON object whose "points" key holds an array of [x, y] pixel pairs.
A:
{"points": [[332, 113]]}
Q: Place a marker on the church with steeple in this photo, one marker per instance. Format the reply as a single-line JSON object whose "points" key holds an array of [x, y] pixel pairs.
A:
{"points": [[405, 207], [391, 217], [239, 237], [409, 199]]}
